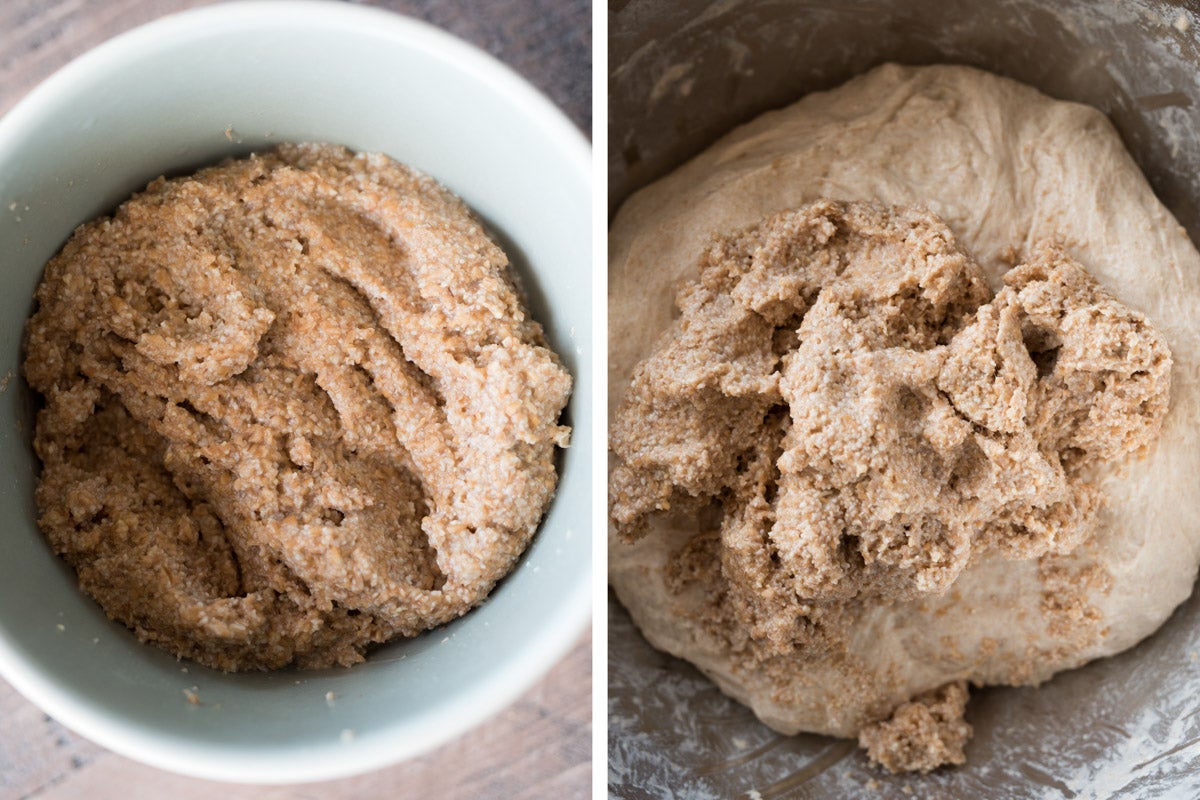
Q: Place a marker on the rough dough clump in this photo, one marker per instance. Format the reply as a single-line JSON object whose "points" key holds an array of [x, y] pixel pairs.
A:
{"points": [[293, 406], [927, 433], [923, 734], [862, 416]]}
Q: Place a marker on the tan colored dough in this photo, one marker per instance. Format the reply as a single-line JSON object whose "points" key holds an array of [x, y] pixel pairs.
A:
{"points": [[923, 734], [294, 406], [1006, 168]]}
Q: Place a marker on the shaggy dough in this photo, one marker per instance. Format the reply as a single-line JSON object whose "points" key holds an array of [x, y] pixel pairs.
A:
{"points": [[923, 734], [294, 406], [1017, 177]]}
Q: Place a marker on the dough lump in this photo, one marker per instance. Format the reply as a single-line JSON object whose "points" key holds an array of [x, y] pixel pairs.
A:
{"points": [[923, 734], [293, 406], [862, 421], [871, 458]]}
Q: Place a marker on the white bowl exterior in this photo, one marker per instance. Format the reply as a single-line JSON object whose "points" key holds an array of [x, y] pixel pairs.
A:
{"points": [[186, 91]]}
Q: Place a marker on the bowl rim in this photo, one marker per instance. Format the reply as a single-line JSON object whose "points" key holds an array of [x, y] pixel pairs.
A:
{"points": [[556, 633]]}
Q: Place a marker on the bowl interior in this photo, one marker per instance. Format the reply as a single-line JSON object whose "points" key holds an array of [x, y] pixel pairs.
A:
{"points": [[682, 75], [187, 91]]}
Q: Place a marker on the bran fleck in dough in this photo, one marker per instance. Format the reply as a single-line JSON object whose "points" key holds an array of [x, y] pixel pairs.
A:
{"points": [[929, 432], [294, 406]]}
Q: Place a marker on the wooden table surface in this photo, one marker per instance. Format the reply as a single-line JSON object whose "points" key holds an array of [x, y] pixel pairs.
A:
{"points": [[538, 748]]}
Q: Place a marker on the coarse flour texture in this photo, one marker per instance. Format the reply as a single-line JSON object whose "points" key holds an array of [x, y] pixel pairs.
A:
{"points": [[923, 413], [294, 406]]}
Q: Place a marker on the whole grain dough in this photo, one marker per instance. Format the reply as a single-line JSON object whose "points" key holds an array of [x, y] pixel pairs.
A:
{"points": [[1016, 178], [294, 406]]}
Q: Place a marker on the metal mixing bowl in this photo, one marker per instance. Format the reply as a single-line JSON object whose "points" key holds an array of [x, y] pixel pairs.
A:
{"points": [[683, 73]]}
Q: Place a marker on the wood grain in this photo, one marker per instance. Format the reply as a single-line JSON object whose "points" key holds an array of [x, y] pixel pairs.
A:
{"points": [[549, 42], [541, 746]]}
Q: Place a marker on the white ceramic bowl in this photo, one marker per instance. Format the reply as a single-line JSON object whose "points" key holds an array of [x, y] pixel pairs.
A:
{"points": [[186, 91]]}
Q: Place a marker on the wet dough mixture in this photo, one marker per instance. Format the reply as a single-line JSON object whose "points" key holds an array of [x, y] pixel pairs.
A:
{"points": [[294, 406], [883, 450]]}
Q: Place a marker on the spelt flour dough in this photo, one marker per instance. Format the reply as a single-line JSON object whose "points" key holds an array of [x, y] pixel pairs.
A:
{"points": [[293, 406], [1017, 178]]}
